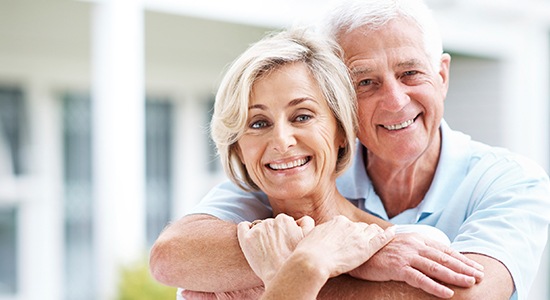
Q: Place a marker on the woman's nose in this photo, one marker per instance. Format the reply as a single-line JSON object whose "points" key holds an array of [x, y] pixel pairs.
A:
{"points": [[283, 137]]}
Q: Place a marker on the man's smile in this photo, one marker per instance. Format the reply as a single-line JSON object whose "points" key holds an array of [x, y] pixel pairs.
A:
{"points": [[401, 125]]}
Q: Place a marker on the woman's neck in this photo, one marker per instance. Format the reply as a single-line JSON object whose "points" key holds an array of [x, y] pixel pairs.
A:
{"points": [[321, 206]]}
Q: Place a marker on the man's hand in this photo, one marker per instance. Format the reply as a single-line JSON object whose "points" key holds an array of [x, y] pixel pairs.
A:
{"points": [[421, 263]]}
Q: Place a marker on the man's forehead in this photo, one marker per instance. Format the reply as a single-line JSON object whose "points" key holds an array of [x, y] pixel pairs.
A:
{"points": [[366, 66]]}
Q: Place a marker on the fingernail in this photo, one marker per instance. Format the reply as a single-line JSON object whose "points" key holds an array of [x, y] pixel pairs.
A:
{"points": [[479, 274]]}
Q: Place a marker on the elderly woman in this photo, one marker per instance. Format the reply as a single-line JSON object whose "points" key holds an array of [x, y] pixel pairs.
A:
{"points": [[284, 124]]}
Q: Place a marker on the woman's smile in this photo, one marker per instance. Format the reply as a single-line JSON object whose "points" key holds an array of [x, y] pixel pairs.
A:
{"points": [[283, 165]]}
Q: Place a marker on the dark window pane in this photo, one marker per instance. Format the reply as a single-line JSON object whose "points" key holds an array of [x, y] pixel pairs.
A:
{"points": [[8, 250], [79, 266], [12, 124], [158, 152]]}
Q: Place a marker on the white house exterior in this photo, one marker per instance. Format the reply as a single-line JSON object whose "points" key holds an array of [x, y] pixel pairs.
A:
{"points": [[90, 172]]}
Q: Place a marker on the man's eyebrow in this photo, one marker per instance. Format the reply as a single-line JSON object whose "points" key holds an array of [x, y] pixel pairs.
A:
{"points": [[360, 70], [410, 63]]}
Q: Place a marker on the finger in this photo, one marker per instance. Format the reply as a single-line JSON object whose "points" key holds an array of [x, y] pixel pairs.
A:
{"points": [[242, 229], [455, 261], [306, 223], [419, 280], [372, 230], [440, 272], [283, 217], [461, 257], [378, 238], [255, 222], [387, 235]]}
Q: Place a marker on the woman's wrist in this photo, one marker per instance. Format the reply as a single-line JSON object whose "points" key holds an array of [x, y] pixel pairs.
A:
{"points": [[301, 277]]}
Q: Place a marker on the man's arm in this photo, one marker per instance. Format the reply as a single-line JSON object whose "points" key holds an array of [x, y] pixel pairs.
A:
{"points": [[205, 245], [497, 284], [201, 253]]}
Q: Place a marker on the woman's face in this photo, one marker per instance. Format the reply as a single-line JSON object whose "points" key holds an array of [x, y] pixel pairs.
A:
{"points": [[291, 141]]}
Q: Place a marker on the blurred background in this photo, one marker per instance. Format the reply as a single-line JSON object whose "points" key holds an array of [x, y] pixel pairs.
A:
{"points": [[104, 107]]}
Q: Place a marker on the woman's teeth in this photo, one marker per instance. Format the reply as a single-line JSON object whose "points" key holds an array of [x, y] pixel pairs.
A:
{"points": [[289, 165]]}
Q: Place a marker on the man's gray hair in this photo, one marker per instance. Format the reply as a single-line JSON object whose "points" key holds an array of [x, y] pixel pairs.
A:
{"points": [[348, 15]]}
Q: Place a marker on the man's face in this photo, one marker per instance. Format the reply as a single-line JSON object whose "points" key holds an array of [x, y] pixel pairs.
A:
{"points": [[400, 96]]}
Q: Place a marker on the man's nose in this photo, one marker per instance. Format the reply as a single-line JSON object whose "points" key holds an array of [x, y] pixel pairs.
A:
{"points": [[394, 96]]}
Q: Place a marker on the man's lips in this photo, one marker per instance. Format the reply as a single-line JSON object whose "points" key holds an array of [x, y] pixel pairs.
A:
{"points": [[401, 125]]}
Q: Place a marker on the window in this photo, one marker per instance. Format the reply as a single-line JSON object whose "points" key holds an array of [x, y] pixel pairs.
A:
{"points": [[12, 126], [77, 147], [78, 205], [158, 152], [8, 250]]}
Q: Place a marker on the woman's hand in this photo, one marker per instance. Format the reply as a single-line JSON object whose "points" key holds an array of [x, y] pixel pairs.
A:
{"points": [[267, 244], [340, 245], [335, 247]]}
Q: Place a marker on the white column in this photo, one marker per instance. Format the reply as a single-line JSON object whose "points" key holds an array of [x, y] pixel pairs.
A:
{"points": [[118, 138], [40, 200]]}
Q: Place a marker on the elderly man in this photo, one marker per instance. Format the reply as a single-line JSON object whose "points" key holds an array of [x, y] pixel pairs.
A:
{"points": [[411, 168]]}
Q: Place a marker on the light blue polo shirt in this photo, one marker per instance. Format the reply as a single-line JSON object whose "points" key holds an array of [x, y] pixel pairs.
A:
{"points": [[487, 200]]}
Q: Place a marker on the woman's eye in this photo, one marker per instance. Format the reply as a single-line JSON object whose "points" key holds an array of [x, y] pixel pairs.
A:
{"points": [[258, 124], [303, 118]]}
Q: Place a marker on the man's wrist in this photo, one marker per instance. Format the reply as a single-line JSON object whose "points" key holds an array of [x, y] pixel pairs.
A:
{"points": [[432, 232]]}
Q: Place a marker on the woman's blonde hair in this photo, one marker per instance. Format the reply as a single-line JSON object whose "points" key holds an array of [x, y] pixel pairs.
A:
{"points": [[322, 57]]}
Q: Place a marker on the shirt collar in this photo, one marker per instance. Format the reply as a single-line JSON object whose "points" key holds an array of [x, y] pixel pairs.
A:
{"points": [[453, 163]]}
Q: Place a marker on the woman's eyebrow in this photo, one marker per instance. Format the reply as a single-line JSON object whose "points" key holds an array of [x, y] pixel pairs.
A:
{"points": [[294, 102], [299, 101], [257, 106]]}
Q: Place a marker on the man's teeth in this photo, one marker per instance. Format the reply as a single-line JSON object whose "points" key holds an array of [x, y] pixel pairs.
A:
{"points": [[399, 126], [288, 165]]}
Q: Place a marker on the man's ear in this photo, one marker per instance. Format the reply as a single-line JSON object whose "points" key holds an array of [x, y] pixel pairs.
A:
{"points": [[444, 72]]}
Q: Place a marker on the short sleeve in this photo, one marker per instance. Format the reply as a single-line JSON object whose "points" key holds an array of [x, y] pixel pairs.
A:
{"points": [[228, 202], [508, 218]]}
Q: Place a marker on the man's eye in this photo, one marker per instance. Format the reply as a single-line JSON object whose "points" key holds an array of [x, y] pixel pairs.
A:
{"points": [[410, 73], [258, 124], [365, 82]]}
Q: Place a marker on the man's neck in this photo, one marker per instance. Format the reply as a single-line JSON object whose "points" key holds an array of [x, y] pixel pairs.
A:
{"points": [[402, 186]]}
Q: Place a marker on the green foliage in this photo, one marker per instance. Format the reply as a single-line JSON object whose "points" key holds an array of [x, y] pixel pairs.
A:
{"points": [[136, 283]]}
